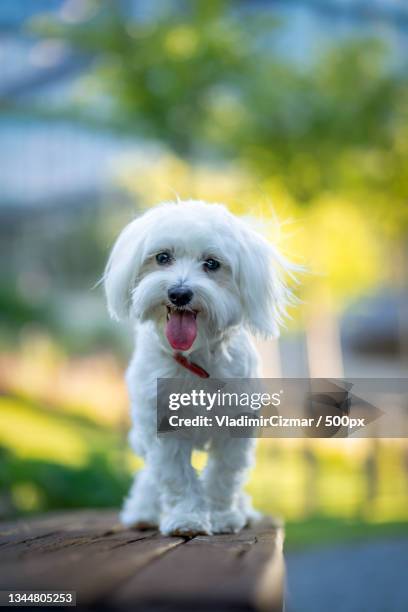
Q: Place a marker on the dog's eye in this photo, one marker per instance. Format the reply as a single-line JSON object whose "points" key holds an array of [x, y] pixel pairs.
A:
{"points": [[163, 258], [211, 264]]}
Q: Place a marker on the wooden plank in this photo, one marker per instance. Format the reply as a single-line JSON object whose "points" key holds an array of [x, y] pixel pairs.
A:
{"points": [[57, 541], [92, 574], [49, 532], [88, 521], [125, 569], [84, 552], [265, 570], [238, 572]]}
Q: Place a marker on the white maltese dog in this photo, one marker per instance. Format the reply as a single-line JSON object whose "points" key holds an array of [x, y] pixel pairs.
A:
{"points": [[196, 281]]}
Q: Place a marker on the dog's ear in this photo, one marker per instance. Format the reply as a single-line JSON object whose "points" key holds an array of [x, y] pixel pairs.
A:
{"points": [[264, 293], [123, 267]]}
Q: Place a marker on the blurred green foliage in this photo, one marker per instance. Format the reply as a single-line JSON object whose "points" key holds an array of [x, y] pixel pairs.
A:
{"points": [[51, 459], [204, 78], [15, 310]]}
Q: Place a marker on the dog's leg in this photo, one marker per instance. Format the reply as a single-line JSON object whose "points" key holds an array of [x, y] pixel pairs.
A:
{"points": [[141, 509], [184, 510], [245, 505], [224, 476]]}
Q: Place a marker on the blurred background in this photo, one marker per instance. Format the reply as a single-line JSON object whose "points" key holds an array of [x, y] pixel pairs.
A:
{"points": [[294, 114]]}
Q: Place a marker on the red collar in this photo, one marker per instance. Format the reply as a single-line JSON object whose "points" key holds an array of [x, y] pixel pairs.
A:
{"points": [[189, 365]]}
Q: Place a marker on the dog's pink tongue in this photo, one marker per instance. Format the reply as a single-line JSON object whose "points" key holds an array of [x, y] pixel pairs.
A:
{"points": [[181, 329]]}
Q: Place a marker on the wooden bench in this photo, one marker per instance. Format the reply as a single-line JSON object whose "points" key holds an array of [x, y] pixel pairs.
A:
{"points": [[120, 569]]}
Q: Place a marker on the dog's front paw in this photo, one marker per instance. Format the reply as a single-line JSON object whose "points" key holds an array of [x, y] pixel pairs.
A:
{"points": [[185, 524], [227, 521], [253, 516], [136, 517], [245, 506]]}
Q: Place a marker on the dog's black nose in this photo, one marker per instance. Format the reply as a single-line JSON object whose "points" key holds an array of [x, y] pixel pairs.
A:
{"points": [[180, 296]]}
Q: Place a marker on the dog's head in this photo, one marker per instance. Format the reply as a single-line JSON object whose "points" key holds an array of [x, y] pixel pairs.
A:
{"points": [[196, 270]]}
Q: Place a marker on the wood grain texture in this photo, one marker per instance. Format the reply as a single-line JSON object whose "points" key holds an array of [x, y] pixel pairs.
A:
{"points": [[122, 569]]}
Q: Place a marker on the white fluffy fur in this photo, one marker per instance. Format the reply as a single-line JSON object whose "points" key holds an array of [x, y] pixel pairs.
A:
{"points": [[246, 294]]}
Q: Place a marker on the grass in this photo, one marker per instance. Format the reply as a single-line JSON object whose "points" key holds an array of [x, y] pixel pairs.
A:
{"points": [[326, 531], [51, 459], [38, 435]]}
